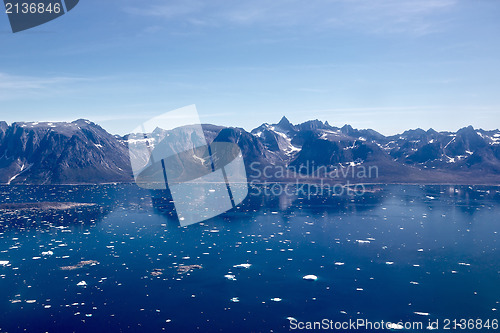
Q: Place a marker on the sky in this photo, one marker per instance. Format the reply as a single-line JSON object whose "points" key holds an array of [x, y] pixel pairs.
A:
{"points": [[389, 65]]}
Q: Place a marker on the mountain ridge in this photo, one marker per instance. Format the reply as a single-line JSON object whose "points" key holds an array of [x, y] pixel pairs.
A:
{"points": [[82, 152]]}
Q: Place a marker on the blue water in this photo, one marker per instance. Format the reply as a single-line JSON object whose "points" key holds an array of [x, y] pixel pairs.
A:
{"points": [[387, 255]]}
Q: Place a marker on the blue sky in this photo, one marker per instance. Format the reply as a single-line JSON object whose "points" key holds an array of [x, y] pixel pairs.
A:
{"points": [[389, 65]]}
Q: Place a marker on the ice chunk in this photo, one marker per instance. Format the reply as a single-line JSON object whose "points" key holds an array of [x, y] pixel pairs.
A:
{"points": [[310, 277], [395, 326], [421, 313]]}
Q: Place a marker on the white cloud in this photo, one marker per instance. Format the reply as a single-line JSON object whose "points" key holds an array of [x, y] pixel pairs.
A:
{"points": [[369, 16], [19, 86]]}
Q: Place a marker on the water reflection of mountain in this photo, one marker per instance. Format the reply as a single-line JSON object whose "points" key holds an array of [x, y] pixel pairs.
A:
{"points": [[262, 198], [467, 199]]}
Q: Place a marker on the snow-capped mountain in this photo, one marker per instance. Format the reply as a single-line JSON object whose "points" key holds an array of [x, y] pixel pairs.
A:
{"points": [[83, 152]]}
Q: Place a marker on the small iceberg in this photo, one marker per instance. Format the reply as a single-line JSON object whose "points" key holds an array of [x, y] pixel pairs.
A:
{"points": [[394, 326], [242, 266], [421, 313], [82, 284], [310, 277]]}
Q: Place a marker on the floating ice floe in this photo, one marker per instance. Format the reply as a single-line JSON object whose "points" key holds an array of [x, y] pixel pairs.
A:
{"points": [[230, 277], [310, 277], [242, 266], [395, 326], [421, 313], [276, 299], [82, 284], [4, 262]]}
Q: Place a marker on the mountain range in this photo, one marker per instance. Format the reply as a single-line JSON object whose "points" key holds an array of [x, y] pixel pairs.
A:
{"points": [[82, 152]]}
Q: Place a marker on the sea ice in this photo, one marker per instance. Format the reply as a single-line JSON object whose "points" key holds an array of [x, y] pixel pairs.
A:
{"points": [[421, 313], [395, 326]]}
